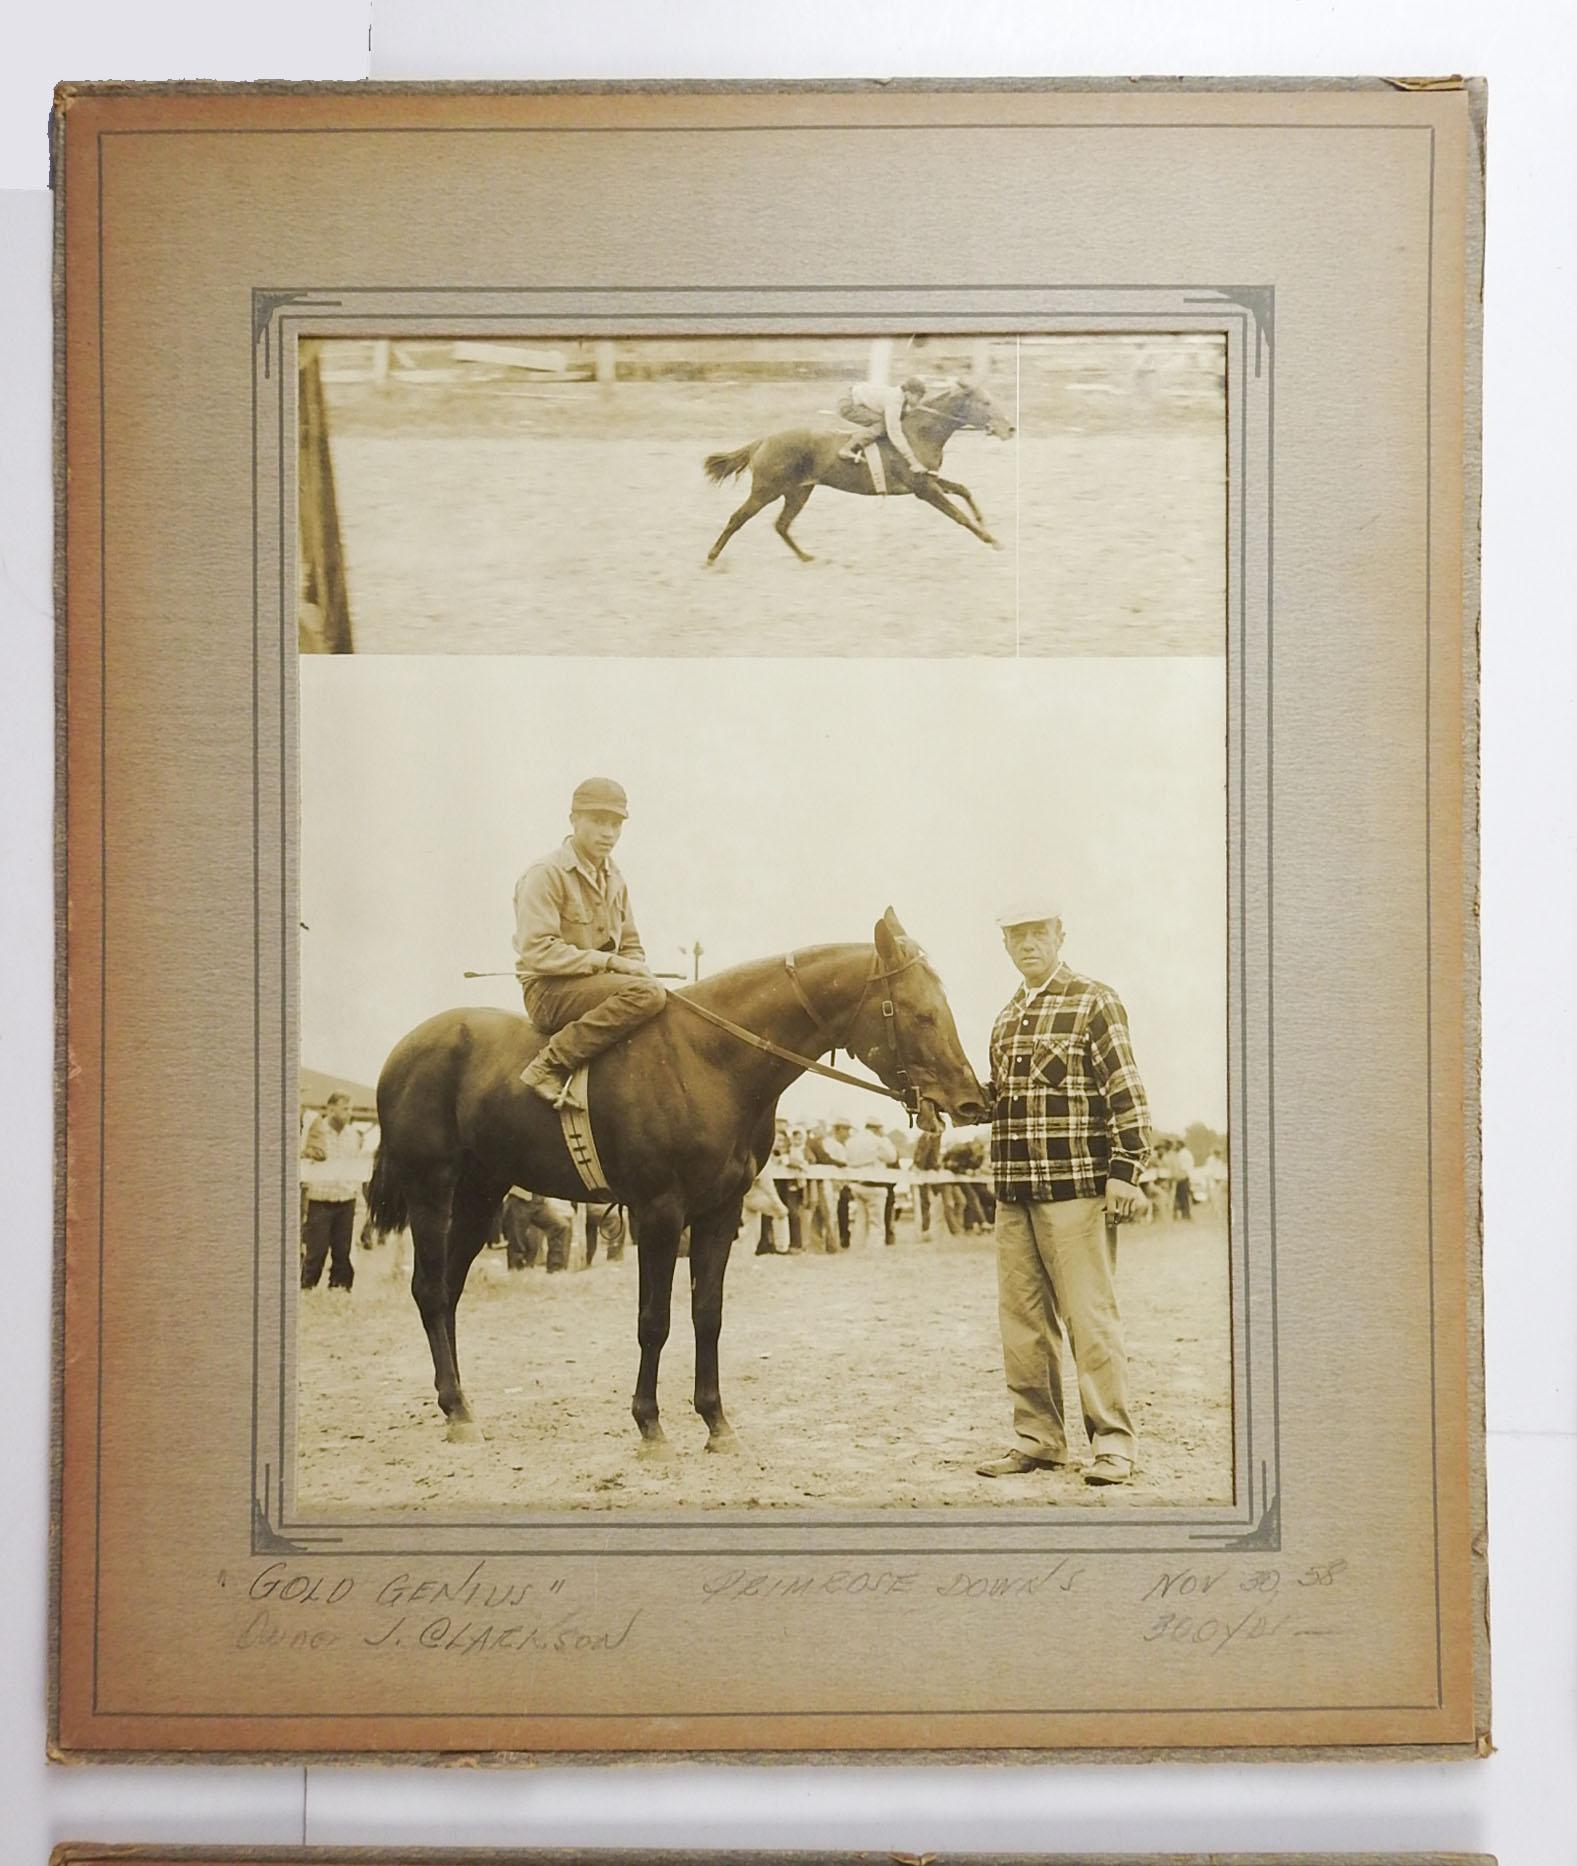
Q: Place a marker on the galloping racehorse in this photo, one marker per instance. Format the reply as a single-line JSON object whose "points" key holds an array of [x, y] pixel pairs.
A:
{"points": [[792, 463], [682, 1111]]}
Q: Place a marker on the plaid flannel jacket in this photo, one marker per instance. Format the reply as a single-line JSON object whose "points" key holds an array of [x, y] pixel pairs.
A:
{"points": [[1069, 1110]]}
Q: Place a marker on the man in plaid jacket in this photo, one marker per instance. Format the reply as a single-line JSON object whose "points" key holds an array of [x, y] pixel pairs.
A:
{"points": [[1070, 1131]]}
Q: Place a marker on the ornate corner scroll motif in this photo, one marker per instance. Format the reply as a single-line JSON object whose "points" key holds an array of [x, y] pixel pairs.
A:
{"points": [[265, 303], [267, 1540], [1260, 303], [1266, 1533]]}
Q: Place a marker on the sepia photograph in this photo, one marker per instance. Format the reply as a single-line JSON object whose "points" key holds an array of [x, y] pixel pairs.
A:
{"points": [[881, 495], [885, 1065]]}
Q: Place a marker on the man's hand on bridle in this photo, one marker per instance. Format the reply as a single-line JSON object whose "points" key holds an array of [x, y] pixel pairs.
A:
{"points": [[621, 962]]}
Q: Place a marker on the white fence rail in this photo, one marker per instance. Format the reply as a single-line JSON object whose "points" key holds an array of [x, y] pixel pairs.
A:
{"points": [[358, 1167]]}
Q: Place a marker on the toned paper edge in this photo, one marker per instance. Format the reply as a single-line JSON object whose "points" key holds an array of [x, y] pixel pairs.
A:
{"points": [[61, 1061], [1473, 782], [1481, 1745], [74, 1853], [1472, 1009], [68, 90]]}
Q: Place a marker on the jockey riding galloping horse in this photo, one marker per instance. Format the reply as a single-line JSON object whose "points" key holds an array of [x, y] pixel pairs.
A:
{"points": [[790, 464]]}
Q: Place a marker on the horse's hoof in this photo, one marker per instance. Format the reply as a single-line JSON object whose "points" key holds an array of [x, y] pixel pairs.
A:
{"points": [[656, 1450], [465, 1432], [723, 1441]]}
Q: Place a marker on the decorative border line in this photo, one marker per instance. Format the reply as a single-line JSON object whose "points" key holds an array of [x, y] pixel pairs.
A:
{"points": [[281, 315], [63, 686]]}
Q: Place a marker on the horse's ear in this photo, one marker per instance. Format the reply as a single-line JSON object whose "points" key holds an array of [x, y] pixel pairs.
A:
{"points": [[889, 936]]}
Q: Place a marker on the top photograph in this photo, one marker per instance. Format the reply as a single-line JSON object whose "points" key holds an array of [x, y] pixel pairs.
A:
{"points": [[920, 495]]}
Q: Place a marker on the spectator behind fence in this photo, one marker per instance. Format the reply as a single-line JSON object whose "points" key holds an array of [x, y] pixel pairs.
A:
{"points": [[927, 1158], [821, 1149], [331, 1202], [762, 1201], [842, 1134], [1215, 1176], [788, 1153], [531, 1224], [976, 1207], [868, 1205], [1183, 1184]]}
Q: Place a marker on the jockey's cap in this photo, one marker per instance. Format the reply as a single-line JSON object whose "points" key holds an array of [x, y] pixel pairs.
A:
{"points": [[913, 385], [1028, 909], [599, 793]]}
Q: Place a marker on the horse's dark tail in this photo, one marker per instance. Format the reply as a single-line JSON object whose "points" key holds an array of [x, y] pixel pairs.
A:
{"points": [[729, 466], [388, 1196]]}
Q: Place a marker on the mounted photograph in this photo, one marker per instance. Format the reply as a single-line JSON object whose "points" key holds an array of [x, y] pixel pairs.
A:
{"points": [[768, 922]]}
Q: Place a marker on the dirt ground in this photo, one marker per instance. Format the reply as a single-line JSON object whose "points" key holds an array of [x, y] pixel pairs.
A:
{"points": [[555, 524], [869, 1379]]}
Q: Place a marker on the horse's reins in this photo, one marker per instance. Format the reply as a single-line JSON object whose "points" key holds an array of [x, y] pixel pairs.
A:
{"points": [[908, 1095], [942, 414]]}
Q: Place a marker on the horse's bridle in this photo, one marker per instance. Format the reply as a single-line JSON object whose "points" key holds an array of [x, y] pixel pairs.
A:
{"points": [[908, 1094], [958, 421]]}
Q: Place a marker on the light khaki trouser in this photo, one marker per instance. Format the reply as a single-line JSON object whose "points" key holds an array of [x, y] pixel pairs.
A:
{"points": [[867, 1216], [1056, 1264]]}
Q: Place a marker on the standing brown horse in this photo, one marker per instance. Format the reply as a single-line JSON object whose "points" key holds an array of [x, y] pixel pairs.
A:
{"points": [[682, 1112], [792, 463]]}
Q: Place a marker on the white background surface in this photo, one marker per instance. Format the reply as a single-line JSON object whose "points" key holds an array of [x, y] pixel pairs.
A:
{"points": [[1523, 1802]]}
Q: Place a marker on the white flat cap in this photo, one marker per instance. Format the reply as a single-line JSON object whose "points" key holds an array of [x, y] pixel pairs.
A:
{"points": [[1027, 908]]}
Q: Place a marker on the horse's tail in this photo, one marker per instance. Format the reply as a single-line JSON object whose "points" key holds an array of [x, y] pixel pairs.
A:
{"points": [[729, 466], [388, 1195]]}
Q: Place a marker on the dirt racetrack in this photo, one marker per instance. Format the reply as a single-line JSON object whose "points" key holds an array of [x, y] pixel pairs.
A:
{"points": [[869, 1379], [557, 522]]}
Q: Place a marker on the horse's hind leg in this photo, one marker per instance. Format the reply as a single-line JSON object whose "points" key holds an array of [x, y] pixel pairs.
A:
{"points": [[657, 1229], [757, 501], [793, 504], [429, 1220], [711, 1239], [472, 1221]]}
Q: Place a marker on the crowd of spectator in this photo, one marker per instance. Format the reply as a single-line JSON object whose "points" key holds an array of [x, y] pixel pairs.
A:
{"points": [[1178, 1184], [791, 1209], [787, 1212]]}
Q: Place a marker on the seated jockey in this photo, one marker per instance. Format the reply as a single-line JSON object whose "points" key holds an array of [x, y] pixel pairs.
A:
{"points": [[877, 411], [578, 957]]}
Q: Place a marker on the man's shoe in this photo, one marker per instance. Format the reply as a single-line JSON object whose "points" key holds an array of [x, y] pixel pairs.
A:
{"points": [[1109, 1470], [551, 1083], [1019, 1464]]}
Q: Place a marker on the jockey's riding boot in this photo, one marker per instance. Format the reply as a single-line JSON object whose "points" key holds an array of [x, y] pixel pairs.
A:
{"points": [[548, 1080]]}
